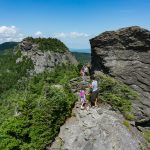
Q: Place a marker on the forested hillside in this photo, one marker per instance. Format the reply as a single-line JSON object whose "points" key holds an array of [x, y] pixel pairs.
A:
{"points": [[83, 58], [33, 107], [7, 45]]}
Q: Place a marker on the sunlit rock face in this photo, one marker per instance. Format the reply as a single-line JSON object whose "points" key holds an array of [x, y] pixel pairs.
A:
{"points": [[45, 60], [125, 55]]}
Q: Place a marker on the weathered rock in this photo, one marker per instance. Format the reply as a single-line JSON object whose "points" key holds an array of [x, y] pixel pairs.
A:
{"points": [[77, 83], [96, 129], [125, 55], [26, 46], [45, 59]]}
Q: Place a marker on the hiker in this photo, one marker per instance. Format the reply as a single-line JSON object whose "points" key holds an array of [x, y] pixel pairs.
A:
{"points": [[86, 70], [94, 92], [82, 73], [83, 97]]}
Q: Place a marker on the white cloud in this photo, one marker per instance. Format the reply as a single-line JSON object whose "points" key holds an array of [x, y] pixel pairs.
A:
{"points": [[60, 35], [7, 30], [70, 35], [38, 34], [10, 33]]}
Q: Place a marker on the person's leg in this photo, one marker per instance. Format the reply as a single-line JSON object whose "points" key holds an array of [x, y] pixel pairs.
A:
{"points": [[84, 78], [82, 106], [96, 102], [92, 99], [96, 97], [82, 103]]}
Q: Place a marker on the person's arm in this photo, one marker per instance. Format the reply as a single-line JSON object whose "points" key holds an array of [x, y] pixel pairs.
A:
{"points": [[92, 85]]}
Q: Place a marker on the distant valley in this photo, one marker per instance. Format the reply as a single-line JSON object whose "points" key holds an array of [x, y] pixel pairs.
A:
{"points": [[80, 50], [82, 57]]}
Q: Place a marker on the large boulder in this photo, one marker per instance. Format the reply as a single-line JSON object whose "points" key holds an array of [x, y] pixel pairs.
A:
{"points": [[125, 55]]}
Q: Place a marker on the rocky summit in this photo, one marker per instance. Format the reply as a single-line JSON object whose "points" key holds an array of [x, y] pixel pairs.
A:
{"points": [[46, 58], [125, 55]]}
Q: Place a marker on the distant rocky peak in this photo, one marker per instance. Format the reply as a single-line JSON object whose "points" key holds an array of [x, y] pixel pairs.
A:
{"points": [[43, 44], [45, 54]]}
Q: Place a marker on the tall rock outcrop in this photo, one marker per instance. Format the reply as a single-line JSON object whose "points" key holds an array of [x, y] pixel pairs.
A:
{"points": [[125, 55], [45, 59]]}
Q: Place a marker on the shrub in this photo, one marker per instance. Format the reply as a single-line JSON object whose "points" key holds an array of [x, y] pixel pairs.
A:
{"points": [[129, 116], [117, 94], [127, 124], [147, 135], [48, 44]]}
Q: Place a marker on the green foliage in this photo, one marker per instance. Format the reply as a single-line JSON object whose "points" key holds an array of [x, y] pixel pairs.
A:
{"points": [[82, 58], [7, 45], [147, 135], [116, 93], [33, 110], [68, 73], [48, 44], [14, 132], [142, 147], [127, 124], [10, 71], [129, 116]]}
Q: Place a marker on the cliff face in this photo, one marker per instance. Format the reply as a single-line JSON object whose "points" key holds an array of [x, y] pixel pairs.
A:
{"points": [[125, 55], [45, 59]]}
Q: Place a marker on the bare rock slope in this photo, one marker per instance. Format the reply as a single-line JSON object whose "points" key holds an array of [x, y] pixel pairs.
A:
{"points": [[96, 129], [125, 55]]}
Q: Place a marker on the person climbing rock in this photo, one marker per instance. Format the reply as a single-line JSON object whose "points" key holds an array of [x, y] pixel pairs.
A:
{"points": [[94, 92], [83, 97]]}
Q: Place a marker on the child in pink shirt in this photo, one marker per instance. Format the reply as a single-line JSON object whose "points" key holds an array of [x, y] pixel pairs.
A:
{"points": [[82, 98]]}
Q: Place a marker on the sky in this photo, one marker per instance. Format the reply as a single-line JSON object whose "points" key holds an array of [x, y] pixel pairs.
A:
{"points": [[74, 22]]}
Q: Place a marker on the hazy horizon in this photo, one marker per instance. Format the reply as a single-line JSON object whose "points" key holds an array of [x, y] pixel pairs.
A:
{"points": [[83, 50]]}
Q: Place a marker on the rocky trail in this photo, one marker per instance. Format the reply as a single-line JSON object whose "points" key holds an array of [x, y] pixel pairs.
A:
{"points": [[99, 128], [96, 129]]}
